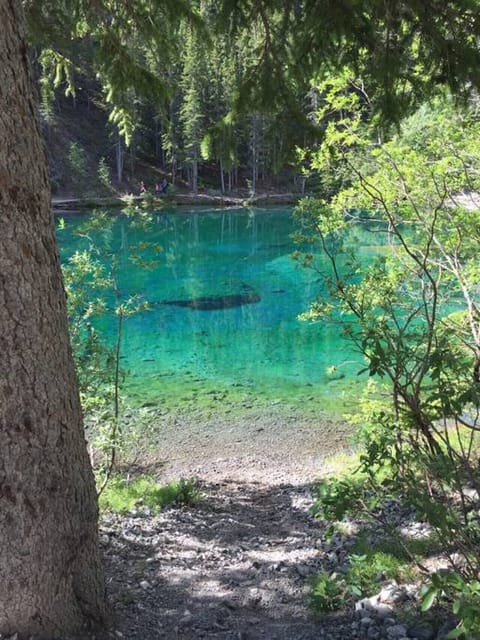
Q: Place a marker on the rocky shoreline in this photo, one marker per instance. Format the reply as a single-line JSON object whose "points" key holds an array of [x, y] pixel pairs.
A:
{"points": [[273, 444]]}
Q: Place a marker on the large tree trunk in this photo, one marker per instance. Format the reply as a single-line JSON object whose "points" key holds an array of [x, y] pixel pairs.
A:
{"points": [[51, 581]]}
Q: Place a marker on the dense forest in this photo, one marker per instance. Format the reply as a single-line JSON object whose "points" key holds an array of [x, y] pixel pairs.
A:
{"points": [[186, 121], [222, 97], [371, 110]]}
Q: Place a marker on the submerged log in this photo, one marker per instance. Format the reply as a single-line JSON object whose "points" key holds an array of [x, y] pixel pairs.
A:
{"points": [[216, 302]]}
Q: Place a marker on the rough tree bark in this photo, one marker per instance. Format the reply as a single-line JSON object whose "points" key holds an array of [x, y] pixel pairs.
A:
{"points": [[51, 581]]}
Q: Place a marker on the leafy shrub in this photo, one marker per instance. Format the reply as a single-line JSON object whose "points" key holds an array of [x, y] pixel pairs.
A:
{"points": [[103, 172], [464, 596], [91, 281], [327, 592], [409, 312], [331, 591], [417, 548], [337, 497], [77, 160]]}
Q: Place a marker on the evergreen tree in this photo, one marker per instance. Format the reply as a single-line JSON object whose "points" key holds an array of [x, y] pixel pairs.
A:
{"points": [[192, 118]]}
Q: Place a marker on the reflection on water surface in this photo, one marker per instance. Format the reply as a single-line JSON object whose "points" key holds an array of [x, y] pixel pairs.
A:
{"points": [[224, 296]]}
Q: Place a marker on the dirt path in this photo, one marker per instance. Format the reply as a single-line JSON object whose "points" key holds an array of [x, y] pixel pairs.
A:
{"points": [[235, 566], [232, 567]]}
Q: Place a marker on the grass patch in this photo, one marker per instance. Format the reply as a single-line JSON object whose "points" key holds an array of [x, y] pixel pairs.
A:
{"points": [[420, 548], [366, 572], [122, 495], [363, 577], [368, 568], [341, 463]]}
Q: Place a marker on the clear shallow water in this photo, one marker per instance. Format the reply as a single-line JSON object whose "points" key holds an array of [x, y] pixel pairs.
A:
{"points": [[256, 351]]}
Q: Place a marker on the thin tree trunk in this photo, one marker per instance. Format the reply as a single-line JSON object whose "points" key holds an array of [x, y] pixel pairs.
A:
{"points": [[174, 169], [51, 578], [195, 175], [254, 156], [132, 158], [222, 177], [119, 158], [156, 139], [172, 144]]}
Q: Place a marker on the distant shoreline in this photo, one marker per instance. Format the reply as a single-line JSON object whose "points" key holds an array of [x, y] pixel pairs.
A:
{"points": [[66, 203]]}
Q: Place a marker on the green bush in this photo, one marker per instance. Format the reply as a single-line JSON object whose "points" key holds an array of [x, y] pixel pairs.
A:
{"points": [[77, 160], [362, 578], [337, 497], [409, 312], [328, 592], [401, 547], [464, 596]]}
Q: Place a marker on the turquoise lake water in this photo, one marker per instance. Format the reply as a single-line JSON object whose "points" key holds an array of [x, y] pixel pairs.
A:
{"points": [[179, 351]]}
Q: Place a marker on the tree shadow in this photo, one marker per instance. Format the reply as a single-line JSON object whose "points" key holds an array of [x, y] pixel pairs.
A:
{"points": [[234, 566]]}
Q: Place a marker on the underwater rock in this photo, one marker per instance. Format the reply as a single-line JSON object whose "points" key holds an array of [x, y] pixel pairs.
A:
{"points": [[215, 302]]}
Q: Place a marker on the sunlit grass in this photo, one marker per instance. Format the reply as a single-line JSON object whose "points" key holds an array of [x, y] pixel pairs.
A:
{"points": [[122, 495]]}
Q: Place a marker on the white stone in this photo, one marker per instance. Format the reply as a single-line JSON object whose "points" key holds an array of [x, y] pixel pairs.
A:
{"points": [[393, 593]]}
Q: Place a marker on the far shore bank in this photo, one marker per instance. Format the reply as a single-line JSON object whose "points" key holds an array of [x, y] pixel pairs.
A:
{"points": [[177, 199]]}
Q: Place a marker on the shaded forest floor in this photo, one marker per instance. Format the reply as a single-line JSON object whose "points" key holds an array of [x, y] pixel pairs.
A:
{"points": [[236, 564], [233, 566]]}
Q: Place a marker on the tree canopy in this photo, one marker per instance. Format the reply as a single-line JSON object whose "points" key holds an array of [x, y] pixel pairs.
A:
{"points": [[406, 48], [150, 57]]}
